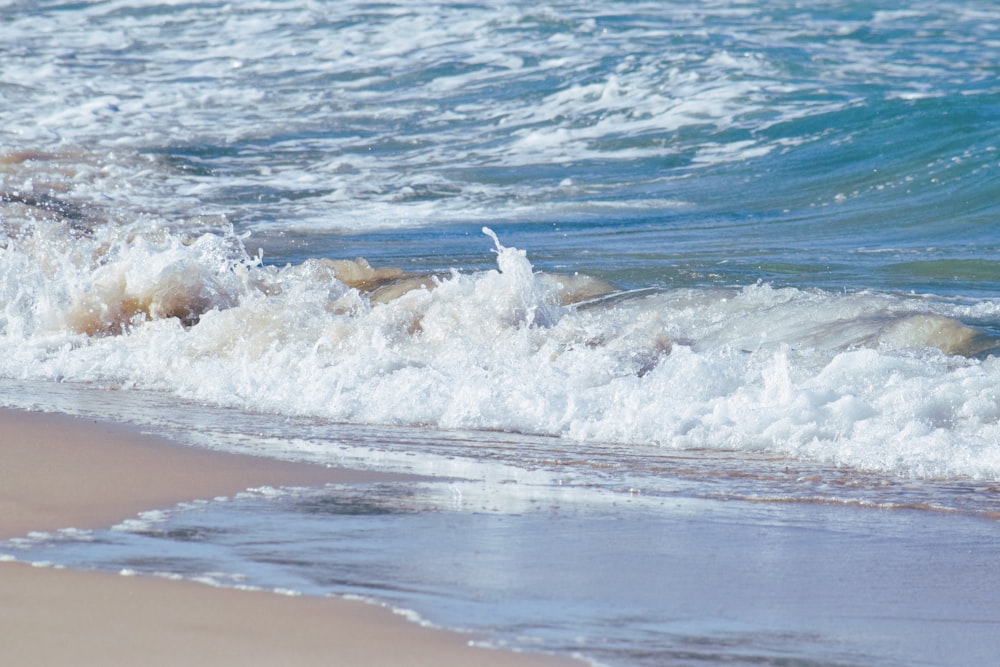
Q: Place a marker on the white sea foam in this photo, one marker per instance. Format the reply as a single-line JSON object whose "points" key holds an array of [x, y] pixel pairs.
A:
{"points": [[871, 380], [143, 521]]}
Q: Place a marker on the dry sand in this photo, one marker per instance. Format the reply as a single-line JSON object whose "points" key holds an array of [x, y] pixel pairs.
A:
{"points": [[59, 472]]}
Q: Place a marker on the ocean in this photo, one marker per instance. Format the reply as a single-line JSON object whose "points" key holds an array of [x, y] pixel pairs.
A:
{"points": [[687, 314]]}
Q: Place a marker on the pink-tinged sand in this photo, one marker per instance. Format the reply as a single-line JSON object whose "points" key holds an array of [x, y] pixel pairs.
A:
{"points": [[58, 472]]}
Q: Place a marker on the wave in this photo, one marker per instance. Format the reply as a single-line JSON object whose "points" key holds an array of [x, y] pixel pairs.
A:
{"points": [[867, 379], [360, 117]]}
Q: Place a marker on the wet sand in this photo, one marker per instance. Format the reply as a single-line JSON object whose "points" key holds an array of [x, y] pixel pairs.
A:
{"points": [[60, 472]]}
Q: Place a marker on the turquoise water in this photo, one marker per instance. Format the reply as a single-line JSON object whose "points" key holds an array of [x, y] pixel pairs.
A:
{"points": [[784, 213]]}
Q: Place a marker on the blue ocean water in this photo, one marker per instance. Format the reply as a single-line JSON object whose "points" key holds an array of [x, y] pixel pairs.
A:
{"points": [[733, 252]]}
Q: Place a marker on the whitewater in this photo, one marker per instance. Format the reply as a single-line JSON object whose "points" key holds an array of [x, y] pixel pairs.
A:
{"points": [[876, 381]]}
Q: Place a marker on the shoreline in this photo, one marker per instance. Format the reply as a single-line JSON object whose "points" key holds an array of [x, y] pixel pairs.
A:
{"points": [[62, 472]]}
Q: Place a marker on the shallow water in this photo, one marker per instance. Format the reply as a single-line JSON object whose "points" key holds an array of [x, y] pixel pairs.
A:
{"points": [[689, 558], [785, 217], [683, 570]]}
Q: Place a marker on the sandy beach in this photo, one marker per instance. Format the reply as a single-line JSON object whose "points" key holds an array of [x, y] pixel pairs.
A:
{"points": [[63, 472]]}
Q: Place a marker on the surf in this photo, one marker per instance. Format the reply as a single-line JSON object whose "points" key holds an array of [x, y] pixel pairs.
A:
{"points": [[876, 380]]}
